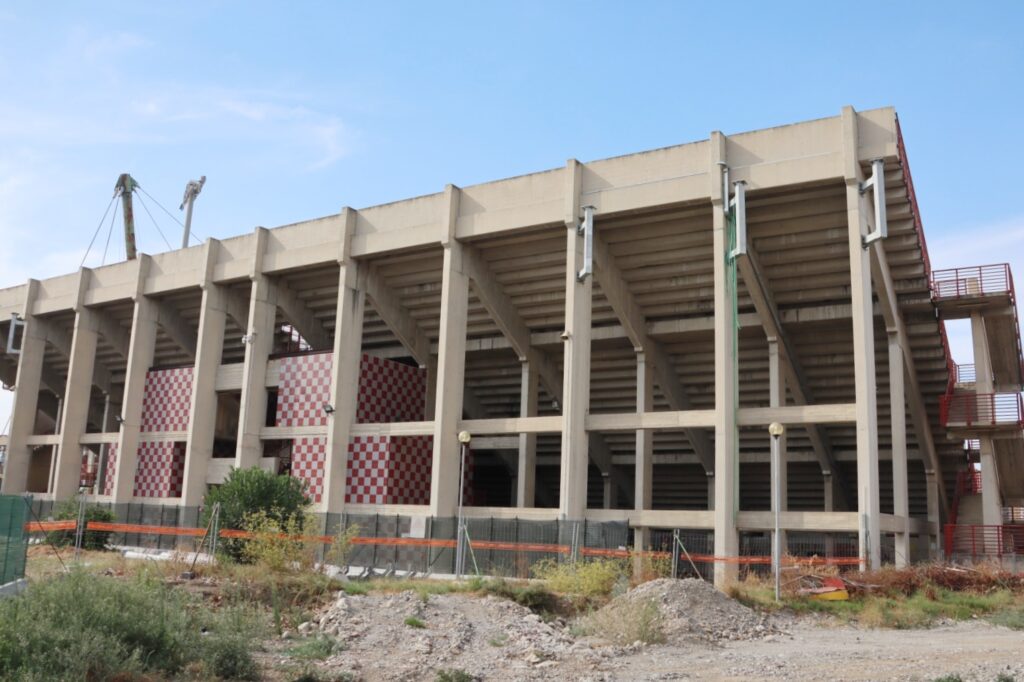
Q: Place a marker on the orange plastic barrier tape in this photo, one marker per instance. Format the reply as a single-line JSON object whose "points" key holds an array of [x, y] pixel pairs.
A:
{"points": [[145, 530], [442, 544], [46, 526]]}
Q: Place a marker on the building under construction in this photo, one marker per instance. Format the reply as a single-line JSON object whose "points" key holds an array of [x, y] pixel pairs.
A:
{"points": [[615, 336]]}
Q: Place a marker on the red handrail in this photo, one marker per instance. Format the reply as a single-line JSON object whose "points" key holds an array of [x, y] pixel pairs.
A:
{"points": [[981, 541], [970, 281], [982, 409]]}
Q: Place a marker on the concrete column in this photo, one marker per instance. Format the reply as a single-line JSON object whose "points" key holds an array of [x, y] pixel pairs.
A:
{"points": [[202, 423], [259, 343], [898, 417], [26, 399], [445, 486], [431, 396], [726, 436], [932, 484], [777, 398], [644, 460], [68, 468], [991, 500], [863, 351], [348, 354], [572, 497], [526, 476], [140, 358]]}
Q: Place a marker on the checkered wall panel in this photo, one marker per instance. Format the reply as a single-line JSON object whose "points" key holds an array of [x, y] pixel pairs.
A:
{"points": [[161, 470], [381, 470], [304, 385], [408, 469], [308, 464], [166, 399], [390, 391], [368, 461], [108, 475]]}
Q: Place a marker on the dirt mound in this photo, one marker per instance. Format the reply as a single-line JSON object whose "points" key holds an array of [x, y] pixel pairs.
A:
{"points": [[404, 636], [693, 609]]}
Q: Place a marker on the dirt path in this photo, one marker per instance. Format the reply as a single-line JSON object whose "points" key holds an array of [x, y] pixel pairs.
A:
{"points": [[975, 651]]}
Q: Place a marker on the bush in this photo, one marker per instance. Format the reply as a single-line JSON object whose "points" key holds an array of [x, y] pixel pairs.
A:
{"points": [[248, 491], [584, 578], [279, 546], [93, 539], [637, 620], [79, 627]]}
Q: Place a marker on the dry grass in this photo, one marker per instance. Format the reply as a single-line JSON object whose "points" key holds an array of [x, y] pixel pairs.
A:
{"points": [[902, 598], [626, 621]]}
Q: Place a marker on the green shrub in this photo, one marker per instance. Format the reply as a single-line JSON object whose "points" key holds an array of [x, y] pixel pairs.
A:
{"points": [[280, 546], [584, 578], [93, 539], [316, 648], [414, 622], [249, 491], [79, 627], [453, 675], [625, 622]]}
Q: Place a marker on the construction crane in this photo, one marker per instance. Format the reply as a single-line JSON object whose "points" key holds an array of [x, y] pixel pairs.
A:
{"points": [[125, 186]]}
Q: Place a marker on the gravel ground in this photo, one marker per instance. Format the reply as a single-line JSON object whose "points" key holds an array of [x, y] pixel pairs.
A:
{"points": [[710, 637]]}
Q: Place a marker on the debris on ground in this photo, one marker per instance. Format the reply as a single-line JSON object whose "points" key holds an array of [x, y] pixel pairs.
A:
{"points": [[694, 610]]}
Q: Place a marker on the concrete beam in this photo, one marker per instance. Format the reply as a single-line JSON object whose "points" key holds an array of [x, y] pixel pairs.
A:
{"points": [[397, 318], [301, 317], [626, 309]]}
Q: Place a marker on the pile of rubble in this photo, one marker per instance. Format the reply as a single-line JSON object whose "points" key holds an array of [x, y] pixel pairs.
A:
{"points": [[692, 609]]}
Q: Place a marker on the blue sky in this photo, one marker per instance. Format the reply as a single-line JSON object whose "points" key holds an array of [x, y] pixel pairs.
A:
{"points": [[293, 112]]}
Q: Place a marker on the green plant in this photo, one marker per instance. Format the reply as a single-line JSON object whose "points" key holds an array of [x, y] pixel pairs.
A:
{"points": [[949, 678], [499, 641], [628, 621], [1010, 618], [93, 539], [279, 545], [414, 622], [584, 578], [316, 648], [453, 675], [81, 626], [341, 545], [249, 491]]}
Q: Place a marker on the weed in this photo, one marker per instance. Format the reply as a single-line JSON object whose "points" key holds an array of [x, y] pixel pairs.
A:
{"points": [[1003, 677], [453, 675], [626, 622], [279, 546], [949, 678], [584, 578], [499, 641], [415, 622], [1009, 618], [92, 539], [316, 648], [89, 627]]}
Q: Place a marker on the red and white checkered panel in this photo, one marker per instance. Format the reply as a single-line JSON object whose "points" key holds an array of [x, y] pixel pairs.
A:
{"points": [[390, 391], [304, 385], [409, 469], [108, 474], [160, 471], [368, 461], [166, 399], [308, 465]]}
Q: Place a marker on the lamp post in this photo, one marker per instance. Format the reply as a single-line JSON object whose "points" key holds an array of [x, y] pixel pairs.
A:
{"points": [[775, 430], [460, 550]]}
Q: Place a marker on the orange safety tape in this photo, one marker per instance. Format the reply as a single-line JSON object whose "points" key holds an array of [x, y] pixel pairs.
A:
{"points": [[443, 544], [46, 526]]}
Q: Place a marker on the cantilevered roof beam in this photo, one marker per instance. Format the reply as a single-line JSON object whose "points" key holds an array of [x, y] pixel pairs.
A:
{"points": [[757, 286], [635, 325], [301, 317]]}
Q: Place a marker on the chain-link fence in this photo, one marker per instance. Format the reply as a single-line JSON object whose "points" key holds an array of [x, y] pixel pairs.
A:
{"points": [[14, 514]]}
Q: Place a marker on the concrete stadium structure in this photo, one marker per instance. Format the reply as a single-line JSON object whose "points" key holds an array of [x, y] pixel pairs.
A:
{"points": [[631, 378]]}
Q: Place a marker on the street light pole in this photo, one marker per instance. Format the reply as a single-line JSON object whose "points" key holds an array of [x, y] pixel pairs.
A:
{"points": [[460, 549], [775, 429]]}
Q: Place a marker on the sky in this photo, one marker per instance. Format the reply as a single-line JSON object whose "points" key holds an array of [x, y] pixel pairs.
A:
{"points": [[295, 111]]}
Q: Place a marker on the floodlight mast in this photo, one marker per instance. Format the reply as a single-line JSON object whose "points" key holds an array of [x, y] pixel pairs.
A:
{"points": [[192, 190]]}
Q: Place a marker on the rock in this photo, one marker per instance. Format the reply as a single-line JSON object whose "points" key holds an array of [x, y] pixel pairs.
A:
{"points": [[306, 628]]}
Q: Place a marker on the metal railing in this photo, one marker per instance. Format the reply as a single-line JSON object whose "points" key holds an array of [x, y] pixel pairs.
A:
{"points": [[1013, 514], [982, 410], [966, 374], [972, 281], [988, 542]]}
